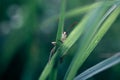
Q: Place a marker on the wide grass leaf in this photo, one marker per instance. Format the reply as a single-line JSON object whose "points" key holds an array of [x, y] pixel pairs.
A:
{"points": [[91, 39], [105, 64]]}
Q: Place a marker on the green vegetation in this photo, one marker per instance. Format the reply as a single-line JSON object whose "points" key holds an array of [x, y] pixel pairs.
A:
{"points": [[27, 49]]}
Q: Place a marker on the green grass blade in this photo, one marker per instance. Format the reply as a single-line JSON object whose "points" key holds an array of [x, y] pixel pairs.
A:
{"points": [[58, 43], [112, 61], [65, 47], [53, 75], [61, 22], [72, 38], [85, 50]]}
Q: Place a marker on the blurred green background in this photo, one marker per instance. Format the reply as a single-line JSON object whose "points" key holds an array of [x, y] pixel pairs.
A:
{"points": [[27, 28]]}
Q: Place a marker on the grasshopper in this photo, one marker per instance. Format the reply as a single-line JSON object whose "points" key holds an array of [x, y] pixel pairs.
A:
{"points": [[63, 38]]}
